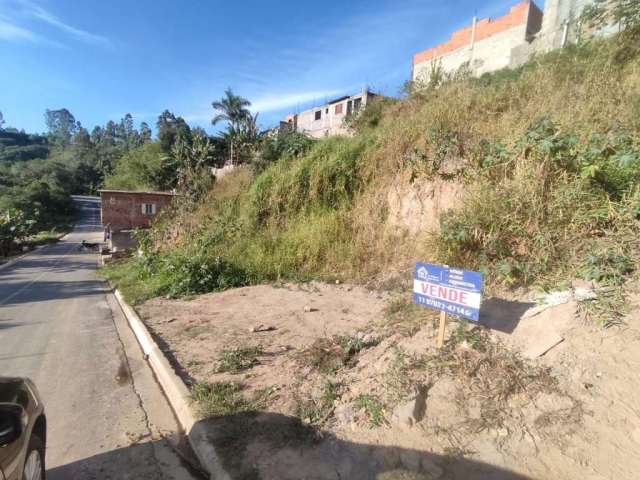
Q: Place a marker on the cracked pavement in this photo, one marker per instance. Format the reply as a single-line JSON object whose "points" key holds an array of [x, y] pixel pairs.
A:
{"points": [[60, 326]]}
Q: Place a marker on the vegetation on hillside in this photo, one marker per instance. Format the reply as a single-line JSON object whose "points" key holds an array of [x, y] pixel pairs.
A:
{"points": [[38, 173], [548, 157]]}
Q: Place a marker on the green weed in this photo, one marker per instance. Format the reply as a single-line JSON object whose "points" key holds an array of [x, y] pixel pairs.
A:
{"points": [[317, 411], [219, 398], [226, 398], [373, 407], [237, 359]]}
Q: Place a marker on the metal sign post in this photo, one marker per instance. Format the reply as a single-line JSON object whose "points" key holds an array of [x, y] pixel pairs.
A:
{"points": [[449, 290]]}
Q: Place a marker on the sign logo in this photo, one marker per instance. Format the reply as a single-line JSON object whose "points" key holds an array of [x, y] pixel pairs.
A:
{"points": [[457, 292]]}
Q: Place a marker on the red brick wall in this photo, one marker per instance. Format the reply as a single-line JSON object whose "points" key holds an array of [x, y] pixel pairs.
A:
{"points": [[123, 210], [485, 28]]}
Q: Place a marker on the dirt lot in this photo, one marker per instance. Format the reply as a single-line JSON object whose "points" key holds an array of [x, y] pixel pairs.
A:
{"points": [[346, 383]]}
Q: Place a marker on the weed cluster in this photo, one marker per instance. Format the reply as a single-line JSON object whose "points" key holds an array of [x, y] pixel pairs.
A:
{"points": [[226, 398], [373, 407], [317, 410], [238, 359], [491, 374], [536, 208], [329, 355]]}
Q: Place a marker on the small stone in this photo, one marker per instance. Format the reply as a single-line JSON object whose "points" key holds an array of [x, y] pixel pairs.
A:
{"points": [[345, 414], [582, 294], [599, 374], [262, 328], [308, 308]]}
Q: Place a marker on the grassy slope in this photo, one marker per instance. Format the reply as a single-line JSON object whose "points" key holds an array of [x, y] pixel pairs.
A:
{"points": [[548, 155]]}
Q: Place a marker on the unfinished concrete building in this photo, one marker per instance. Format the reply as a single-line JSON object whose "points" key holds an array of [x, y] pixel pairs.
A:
{"points": [[488, 45], [483, 46], [327, 119]]}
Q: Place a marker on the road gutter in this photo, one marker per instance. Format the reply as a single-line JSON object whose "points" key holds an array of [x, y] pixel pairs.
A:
{"points": [[176, 392]]}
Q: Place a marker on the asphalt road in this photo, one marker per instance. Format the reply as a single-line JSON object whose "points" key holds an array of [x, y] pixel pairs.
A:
{"points": [[60, 326]]}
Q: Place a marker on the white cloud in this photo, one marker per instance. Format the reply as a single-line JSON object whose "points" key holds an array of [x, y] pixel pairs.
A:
{"points": [[198, 117], [275, 102], [14, 33], [9, 30]]}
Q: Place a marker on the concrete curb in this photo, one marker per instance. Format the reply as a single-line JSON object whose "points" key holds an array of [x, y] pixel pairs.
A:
{"points": [[176, 392]]}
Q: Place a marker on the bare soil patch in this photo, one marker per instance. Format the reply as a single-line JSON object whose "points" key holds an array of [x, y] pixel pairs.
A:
{"points": [[335, 381]]}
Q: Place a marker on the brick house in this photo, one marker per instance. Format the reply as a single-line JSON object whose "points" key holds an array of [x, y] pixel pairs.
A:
{"points": [[121, 212]]}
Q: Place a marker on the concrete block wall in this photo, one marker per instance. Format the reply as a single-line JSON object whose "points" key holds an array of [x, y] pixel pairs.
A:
{"points": [[507, 41], [484, 46]]}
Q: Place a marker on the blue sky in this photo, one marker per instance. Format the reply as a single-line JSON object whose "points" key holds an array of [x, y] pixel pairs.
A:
{"points": [[103, 59]]}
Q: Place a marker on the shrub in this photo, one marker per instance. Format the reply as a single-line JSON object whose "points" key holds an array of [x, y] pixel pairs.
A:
{"points": [[235, 360], [530, 209]]}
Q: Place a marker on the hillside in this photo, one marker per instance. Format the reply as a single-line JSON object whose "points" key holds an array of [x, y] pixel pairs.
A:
{"points": [[530, 176], [20, 146]]}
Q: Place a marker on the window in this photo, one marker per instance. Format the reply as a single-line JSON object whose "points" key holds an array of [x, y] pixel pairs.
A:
{"points": [[349, 107], [149, 208], [339, 109], [318, 115], [357, 103], [326, 111]]}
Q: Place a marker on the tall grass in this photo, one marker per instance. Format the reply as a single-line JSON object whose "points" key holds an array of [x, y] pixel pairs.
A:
{"points": [[548, 157]]}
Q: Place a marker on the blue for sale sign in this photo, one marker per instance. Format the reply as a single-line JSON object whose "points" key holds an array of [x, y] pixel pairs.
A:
{"points": [[458, 292]]}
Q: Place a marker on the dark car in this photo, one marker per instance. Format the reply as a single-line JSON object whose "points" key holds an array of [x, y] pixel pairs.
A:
{"points": [[23, 430]]}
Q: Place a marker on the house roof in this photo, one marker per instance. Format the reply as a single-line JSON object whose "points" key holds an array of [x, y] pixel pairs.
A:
{"points": [[338, 99], [171, 194]]}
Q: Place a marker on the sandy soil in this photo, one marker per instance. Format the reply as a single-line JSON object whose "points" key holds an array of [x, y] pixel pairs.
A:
{"points": [[398, 409]]}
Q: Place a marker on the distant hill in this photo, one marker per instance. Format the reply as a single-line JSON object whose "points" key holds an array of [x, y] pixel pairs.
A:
{"points": [[16, 146]]}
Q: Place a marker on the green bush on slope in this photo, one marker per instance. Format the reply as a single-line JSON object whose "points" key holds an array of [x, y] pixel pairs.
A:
{"points": [[548, 156]]}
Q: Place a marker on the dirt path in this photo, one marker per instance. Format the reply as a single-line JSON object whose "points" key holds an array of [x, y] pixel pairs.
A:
{"points": [[347, 384]]}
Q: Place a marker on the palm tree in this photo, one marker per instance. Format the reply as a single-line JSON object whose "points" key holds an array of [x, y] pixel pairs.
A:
{"points": [[234, 110]]}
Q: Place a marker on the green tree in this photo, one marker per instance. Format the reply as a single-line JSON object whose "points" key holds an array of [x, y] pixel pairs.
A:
{"points": [[234, 110], [1, 121], [193, 159], [82, 138], [61, 125], [145, 133], [169, 127], [143, 168], [14, 226]]}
